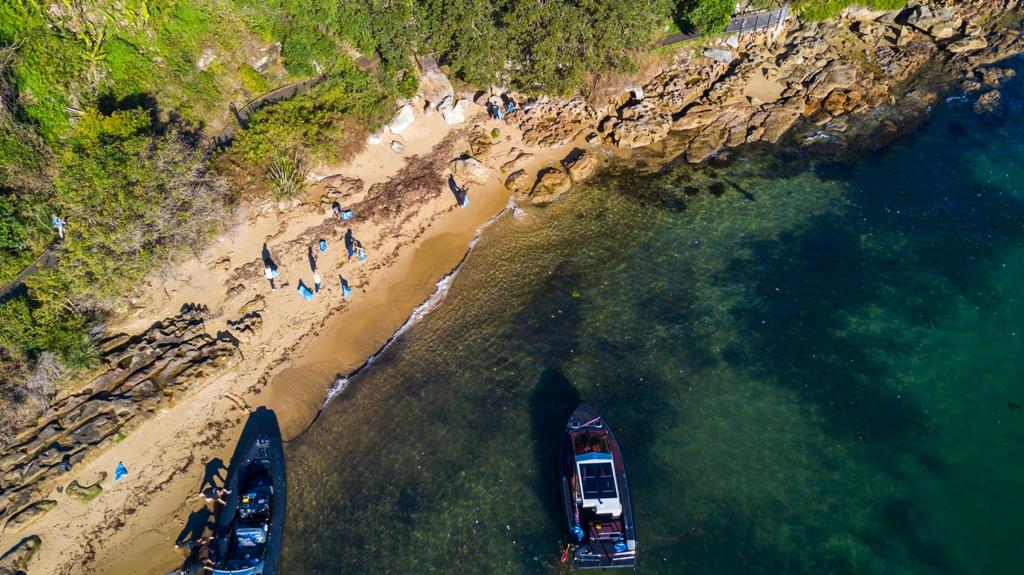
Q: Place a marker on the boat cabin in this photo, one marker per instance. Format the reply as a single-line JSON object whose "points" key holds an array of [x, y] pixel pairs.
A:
{"points": [[598, 491], [595, 469]]}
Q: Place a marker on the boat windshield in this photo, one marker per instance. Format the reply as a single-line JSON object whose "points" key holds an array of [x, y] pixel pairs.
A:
{"points": [[598, 481]]}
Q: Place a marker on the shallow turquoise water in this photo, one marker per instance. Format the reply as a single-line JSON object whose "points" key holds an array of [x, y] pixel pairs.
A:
{"points": [[810, 368]]}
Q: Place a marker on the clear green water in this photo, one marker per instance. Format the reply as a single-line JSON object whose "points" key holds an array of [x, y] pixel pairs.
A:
{"points": [[816, 375]]}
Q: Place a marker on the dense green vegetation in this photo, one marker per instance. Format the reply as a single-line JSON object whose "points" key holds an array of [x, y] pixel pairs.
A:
{"points": [[822, 9], [105, 108]]}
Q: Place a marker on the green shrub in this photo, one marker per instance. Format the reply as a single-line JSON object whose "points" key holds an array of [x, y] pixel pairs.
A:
{"points": [[824, 9], [254, 82]]}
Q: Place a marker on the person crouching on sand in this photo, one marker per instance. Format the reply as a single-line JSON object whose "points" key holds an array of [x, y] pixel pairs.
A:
{"points": [[215, 495]]}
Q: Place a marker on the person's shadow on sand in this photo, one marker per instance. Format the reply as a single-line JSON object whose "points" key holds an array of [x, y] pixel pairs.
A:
{"points": [[196, 525], [458, 191], [212, 476], [267, 260]]}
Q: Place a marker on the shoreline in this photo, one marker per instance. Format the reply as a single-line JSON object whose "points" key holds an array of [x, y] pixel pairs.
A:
{"points": [[131, 526], [169, 449]]}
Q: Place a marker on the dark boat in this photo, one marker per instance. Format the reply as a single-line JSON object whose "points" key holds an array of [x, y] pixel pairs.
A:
{"points": [[598, 510], [252, 522]]}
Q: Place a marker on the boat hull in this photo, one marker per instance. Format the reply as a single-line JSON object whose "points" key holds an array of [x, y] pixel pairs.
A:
{"points": [[587, 548], [263, 449]]}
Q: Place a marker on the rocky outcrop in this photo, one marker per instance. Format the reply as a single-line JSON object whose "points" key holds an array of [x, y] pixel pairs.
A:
{"points": [[86, 493], [836, 81], [338, 188], [28, 515], [140, 374], [641, 124], [581, 165], [988, 103], [551, 124], [480, 142], [551, 183], [517, 182], [15, 560], [469, 171]]}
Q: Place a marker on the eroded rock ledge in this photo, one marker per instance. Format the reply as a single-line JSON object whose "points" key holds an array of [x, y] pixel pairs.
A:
{"points": [[141, 374], [843, 84]]}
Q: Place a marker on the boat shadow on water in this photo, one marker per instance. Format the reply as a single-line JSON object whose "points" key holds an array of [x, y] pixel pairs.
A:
{"points": [[552, 401]]}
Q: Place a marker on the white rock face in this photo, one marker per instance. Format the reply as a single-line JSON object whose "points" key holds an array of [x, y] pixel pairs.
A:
{"points": [[719, 55], [434, 88], [454, 114], [402, 120]]}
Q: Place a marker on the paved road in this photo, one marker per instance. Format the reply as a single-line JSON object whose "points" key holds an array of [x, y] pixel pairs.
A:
{"points": [[17, 286]]}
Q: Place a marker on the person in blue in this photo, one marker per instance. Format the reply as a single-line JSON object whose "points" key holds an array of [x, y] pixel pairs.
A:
{"points": [[58, 224], [353, 246], [510, 105], [345, 289]]}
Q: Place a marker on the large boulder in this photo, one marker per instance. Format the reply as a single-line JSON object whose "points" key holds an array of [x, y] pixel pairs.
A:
{"points": [[940, 23], [641, 130], [581, 165], [778, 122], [469, 170], [435, 88], [453, 114], [517, 182], [480, 142], [988, 103], [551, 183], [402, 120], [721, 55]]}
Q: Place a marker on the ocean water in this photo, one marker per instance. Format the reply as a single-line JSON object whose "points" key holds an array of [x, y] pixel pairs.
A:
{"points": [[811, 368]]}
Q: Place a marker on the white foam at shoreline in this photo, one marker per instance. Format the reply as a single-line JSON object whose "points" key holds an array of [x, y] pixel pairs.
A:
{"points": [[418, 313]]}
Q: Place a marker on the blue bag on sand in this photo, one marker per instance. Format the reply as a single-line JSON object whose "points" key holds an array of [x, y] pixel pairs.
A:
{"points": [[362, 255], [345, 290], [346, 214], [323, 246], [120, 472], [305, 292]]}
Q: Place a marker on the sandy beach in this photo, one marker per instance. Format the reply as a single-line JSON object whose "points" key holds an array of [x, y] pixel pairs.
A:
{"points": [[291, 364]]}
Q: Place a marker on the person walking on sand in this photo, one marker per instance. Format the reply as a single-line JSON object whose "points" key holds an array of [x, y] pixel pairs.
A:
{"points": [[352, 245], [316, 281], [271, 273]]}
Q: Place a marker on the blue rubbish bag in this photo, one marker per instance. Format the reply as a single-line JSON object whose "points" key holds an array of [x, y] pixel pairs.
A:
{"points": [[323, 246], [305, 292], [362, 255], [345, 290], [346, 214], [620, 546], [120, 471]]}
